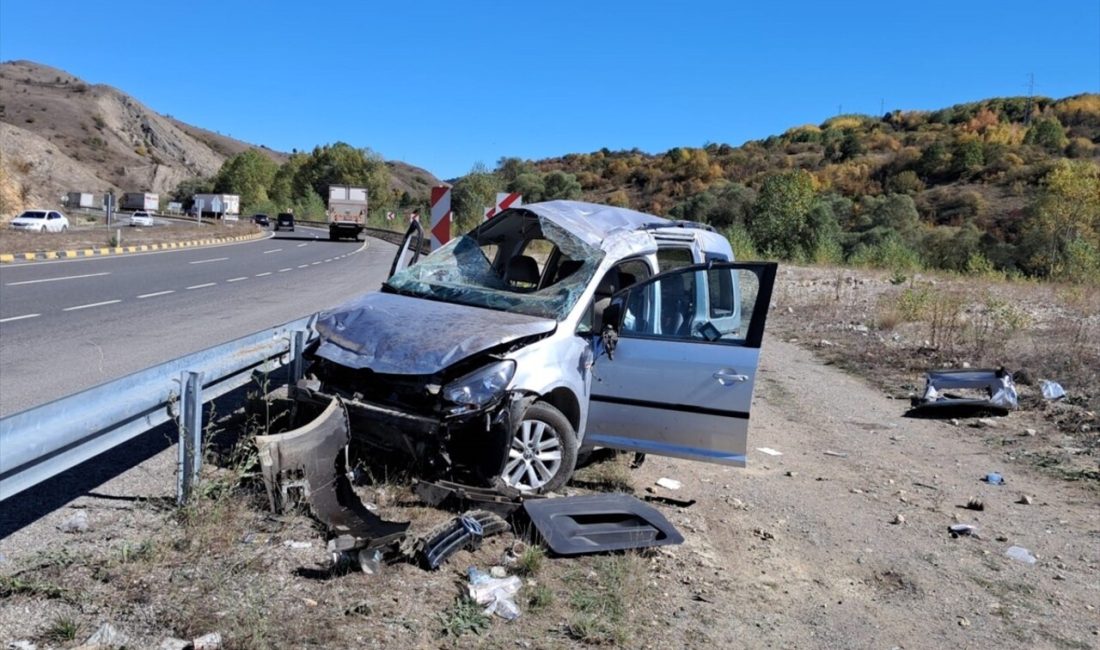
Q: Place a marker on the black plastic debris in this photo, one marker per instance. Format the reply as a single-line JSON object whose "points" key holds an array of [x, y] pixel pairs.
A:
{"points": [[977, 393], [500, 499], [464, 532], [599, 523]]}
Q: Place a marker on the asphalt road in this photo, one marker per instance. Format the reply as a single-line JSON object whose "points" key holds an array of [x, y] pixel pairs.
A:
{"points": [[66, 326]]}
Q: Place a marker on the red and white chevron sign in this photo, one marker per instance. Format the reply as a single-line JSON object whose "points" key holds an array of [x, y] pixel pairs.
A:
{"points": [[440, 232], [505, 200]]}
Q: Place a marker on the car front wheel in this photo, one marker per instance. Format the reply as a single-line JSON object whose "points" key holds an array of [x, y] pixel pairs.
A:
{"points": [[543, 451]]}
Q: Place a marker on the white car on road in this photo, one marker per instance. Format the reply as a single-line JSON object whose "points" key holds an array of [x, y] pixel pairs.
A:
{"points": [[41, 221], [141, 218]]}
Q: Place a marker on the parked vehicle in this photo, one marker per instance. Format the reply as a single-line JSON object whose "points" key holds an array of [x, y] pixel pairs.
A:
{"points": [[141, 218], [41, 221], [261, 220], [285, 221], [550, 328], [80, 200], [347, 211]]}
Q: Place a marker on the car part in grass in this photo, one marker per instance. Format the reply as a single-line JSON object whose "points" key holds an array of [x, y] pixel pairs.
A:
{"points": [[992, 392], [308, 465], [463, 532], [599, 523]]}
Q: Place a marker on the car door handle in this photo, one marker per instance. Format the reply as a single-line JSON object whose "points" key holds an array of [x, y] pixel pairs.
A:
{"points": [[728, 377]]}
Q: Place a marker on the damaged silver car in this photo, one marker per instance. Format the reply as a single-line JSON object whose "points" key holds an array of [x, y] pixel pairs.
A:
{"points": [[549, 329]]}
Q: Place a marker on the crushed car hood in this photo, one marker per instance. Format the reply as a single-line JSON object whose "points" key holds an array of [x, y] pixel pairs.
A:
{"points": [[395, 334]]}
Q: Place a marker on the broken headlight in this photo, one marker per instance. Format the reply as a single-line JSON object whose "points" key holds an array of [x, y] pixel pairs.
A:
{"points": [[475, 390]]}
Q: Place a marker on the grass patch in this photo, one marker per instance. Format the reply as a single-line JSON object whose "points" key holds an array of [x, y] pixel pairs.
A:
{"points": [[599, 599], [610, 473], [530, 561], [463, 617], [62, 629]]}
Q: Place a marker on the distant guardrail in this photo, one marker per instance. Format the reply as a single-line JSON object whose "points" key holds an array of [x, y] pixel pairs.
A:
{"points": [[41, 442]]}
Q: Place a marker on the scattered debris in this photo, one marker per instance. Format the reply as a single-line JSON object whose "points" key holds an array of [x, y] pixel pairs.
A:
{"points": [[1024, 500], [1021, 554], [837, 454], [769, 451], [299, 545], [993, 478], [762, 534], [77, 523], [598, 523], [309, 465], [984, 423], [500, 499], [990, 392], [463, 532], [22, 644], [172, 643], [898, 519], [964, 621], [1051, 389], [211, 641], [1030, 432], [498, 572], [370, 561], [672, 501], [975, 504], [669, 483], [497, 593], [361, 608], [925, 485], [791, 473], [107, 636], [963, 530]]}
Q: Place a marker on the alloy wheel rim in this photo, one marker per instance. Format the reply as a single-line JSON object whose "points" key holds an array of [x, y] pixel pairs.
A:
{"points": [[534, 457]]}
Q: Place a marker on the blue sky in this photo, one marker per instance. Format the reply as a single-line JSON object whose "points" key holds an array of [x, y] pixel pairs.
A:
{"points": [[446, 85]]}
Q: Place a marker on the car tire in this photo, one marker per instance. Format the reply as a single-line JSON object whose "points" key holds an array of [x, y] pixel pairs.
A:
{"points": [[42, 229], [64, 228], [542, 452]]}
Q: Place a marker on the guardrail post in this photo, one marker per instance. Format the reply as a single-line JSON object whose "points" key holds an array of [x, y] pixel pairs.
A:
{"points": [[190, 447], [297, 348]]}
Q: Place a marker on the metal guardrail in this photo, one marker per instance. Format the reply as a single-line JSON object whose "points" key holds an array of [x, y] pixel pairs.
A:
{"points": [[44, 441]]}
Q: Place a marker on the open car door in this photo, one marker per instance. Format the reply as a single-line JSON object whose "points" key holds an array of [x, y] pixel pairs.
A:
{"points": [[408, 252], [680, 378]]}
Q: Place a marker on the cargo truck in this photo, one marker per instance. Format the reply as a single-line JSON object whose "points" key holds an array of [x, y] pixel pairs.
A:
{"points": [[347, 211], [147, 201], [227, 206], [81, 200]]}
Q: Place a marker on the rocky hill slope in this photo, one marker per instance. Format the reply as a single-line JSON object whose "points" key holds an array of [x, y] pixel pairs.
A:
{"points": [[60, 134]]}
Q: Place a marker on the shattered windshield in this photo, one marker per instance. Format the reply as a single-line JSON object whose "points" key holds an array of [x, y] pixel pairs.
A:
{"points": [[471, 270]]}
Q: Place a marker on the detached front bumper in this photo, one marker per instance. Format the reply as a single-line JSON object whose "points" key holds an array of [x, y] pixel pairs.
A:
{"points": [[471, 447]]}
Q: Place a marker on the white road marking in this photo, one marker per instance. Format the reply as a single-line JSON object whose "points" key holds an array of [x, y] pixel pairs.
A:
{"points": [[303, 266], [158, 293], [314, 263], [216, 259], [273, 250], [300, 245], [68, 277], [260, 275], [243, 277], [285, 270], [329, 259], [202, 286], [94, 304], [8, 320]]}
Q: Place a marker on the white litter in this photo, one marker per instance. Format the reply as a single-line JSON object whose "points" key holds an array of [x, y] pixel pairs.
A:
{"points": [[1020, 553], [769, 451], [669, 483]]}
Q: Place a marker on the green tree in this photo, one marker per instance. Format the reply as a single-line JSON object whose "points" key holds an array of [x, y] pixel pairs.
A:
{"points": [[1047, 133], [1064, 221], [342, 164], [530, 185], [249, 174], [561, 185], [510, 168], [967, 158], [289, 182], [470, 196], [779, 217]]}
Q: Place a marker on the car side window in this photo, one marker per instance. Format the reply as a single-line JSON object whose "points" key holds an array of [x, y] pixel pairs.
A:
{"points": [[667, 307], [54, 215], [674, 258]]}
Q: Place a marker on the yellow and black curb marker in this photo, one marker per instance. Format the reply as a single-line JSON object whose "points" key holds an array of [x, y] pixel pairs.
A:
{"points": [[7, 258]]}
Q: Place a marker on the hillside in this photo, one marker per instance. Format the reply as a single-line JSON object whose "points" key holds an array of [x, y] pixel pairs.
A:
{"points": [[60, 134], [955, 187]]}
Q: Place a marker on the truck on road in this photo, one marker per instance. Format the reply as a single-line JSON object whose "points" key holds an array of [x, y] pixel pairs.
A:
{"points": [[226, 206], [147, 201], [347, 211]]}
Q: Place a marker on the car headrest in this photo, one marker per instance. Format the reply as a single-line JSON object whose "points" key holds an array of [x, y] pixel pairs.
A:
{"points": [[626, 279], [567, 268], [609, 284], [522, 268]]}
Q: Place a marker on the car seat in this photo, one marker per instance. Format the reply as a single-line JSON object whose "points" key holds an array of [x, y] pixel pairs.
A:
{"points": [[522, 273]]}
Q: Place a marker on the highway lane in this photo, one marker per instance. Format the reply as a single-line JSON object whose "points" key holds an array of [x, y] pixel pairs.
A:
{"points": [[51, 288], [161, 315]]}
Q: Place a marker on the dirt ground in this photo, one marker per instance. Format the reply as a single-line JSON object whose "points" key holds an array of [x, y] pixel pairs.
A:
{"points": [[842, 541]]}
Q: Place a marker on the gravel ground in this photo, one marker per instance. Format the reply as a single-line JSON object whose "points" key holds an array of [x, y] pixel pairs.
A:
{"points": [[841, 541]]}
